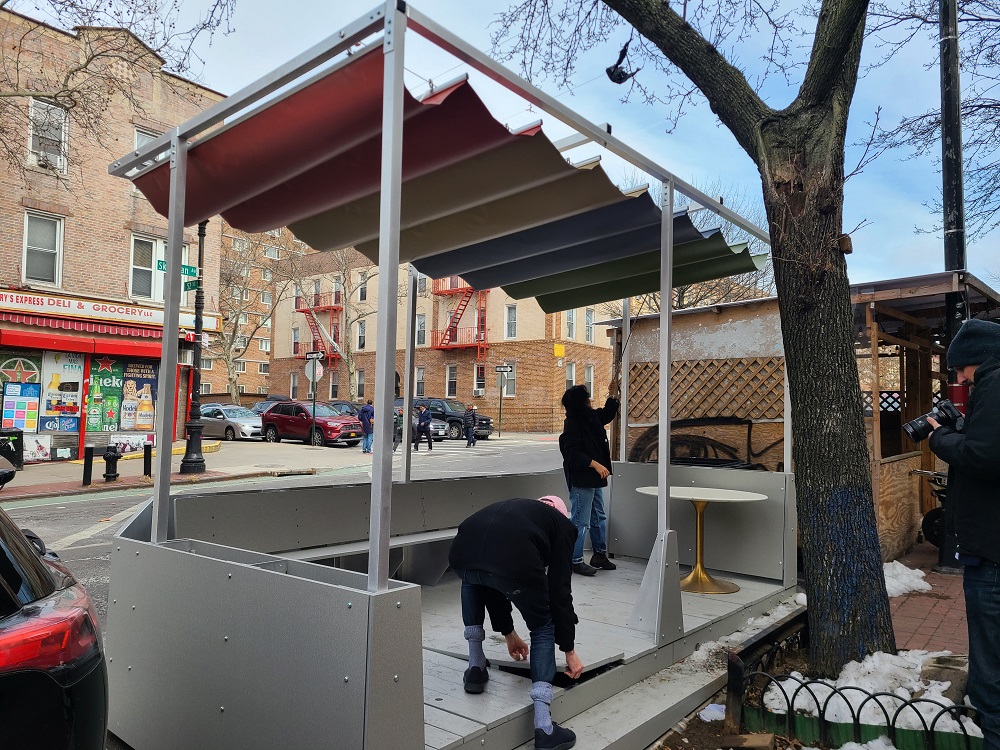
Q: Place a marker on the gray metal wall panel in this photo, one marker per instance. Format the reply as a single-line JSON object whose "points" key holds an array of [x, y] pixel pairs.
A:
{"points": [[791, 533], [748, 538], [208, 653], [394, 711]]}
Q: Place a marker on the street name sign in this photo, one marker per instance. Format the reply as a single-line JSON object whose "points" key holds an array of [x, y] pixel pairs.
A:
{"points": [[191, 286], [315, 355], [161, 265]]}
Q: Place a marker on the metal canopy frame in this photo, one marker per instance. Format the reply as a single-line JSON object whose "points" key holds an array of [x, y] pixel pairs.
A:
{"points": [[393, 19]]}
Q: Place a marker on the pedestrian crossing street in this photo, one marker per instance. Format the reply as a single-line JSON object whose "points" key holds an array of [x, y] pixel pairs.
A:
{"points": [[493, 445]]}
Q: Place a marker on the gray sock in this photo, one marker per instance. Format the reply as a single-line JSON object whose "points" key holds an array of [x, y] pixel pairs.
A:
{"points": [[475, 635], [541, 694]]}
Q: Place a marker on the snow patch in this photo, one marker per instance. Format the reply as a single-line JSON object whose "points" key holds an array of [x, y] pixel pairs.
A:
{"points": [[882, 743], [900, 579], [712, 654], [800, 599], [712, 712], [899, 676]]}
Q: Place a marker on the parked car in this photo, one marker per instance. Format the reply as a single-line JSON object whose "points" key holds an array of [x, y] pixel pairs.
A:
{"points": [[53, 677], [439, 429], [452, 412], [230, 422], [346, 407], [262, 406], [293, 420]]}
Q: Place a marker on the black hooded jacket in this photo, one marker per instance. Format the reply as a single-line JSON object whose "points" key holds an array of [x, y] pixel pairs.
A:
{"points": [[528, 541], [973, 457], [583, 440]]}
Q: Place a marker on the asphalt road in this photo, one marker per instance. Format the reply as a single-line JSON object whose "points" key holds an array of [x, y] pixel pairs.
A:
{"points": [[81, 528]]}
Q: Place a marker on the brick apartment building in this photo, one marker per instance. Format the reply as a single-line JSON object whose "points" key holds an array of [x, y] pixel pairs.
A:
{"points": [[81, 291], [462, 335]]}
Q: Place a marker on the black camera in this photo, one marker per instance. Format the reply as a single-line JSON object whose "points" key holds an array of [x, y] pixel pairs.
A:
{"points": [[946, 414]]}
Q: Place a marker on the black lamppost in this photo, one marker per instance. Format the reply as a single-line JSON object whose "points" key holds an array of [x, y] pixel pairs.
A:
{"points": [[193, 461]]}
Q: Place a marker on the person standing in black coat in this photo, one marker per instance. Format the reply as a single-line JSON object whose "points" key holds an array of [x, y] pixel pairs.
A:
{"points": [[469, 422], [972, 452], [518, 552], [586, 457], [423, 428]]}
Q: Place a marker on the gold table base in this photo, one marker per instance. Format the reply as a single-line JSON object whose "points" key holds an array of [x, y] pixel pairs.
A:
{"points": [[698, 581]]}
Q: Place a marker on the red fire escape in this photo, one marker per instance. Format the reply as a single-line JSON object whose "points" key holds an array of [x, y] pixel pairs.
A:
{"points": [[455, 336], [311, 306]]}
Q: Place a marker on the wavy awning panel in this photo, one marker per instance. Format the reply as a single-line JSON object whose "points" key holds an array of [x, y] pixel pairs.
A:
{"points": [[500, 208]]}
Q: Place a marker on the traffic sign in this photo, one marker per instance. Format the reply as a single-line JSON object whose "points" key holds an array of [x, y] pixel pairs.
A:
{"points": [[161, 265], [504, 368], [191, 286], [315, 355], [314, 370]]}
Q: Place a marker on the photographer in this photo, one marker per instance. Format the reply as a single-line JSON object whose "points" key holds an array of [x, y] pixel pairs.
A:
{"points": [[973, 509]]}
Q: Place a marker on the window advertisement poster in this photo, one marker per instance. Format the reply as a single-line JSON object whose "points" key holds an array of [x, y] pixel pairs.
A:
{"points": [[138, 407], [37, 448], [20, 406], [105, 396], [20, 367], [62, 376]]}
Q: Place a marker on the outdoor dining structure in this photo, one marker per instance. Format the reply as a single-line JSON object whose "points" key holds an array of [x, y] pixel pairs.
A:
{"points": [[324, 616]]}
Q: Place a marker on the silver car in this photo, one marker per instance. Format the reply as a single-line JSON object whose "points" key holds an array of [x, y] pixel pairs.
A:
{"points": [[230, 422]]}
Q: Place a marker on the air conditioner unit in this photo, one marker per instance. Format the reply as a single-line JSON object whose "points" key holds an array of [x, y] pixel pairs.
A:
{"points": [[478, 391], [185, 357]]}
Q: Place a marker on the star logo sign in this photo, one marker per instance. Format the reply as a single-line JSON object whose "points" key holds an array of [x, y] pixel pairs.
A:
{"points": [[104, 364], [110, 414], [19, 370]]}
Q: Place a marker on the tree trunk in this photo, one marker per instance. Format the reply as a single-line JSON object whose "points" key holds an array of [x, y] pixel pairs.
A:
{"points": [[802, 175]]}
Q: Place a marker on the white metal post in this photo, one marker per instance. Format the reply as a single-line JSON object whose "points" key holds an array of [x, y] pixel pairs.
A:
{"points": [[388, 285], [624, 373], [167, 381], [408, 364]]}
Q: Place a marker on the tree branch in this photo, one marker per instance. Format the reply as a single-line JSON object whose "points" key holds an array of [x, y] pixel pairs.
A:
{"points": [[837, 31]]}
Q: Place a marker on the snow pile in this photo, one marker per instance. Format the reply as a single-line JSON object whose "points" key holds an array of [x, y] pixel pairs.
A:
{"points": [[878, 673], [800, 599], [712, 654], [900, 579], [712, 712], [882, 743]]}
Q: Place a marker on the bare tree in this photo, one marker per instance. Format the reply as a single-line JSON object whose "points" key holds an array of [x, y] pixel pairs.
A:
{"points": [[798, 149], [247, 274], [119, 41]]}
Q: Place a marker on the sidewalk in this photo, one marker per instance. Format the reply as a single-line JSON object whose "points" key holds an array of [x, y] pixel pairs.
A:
{"points": [[931, 620]]}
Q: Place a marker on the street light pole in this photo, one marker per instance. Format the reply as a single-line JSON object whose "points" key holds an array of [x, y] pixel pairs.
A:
{"points": [[193, 461]]}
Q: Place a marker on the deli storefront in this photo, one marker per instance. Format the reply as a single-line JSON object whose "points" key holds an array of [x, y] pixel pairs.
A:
{"points": [[77, 371]]}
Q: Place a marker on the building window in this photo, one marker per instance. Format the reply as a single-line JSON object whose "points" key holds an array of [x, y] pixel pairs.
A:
{"points": [[361, 335], [43, 249], [334, 388], [263, 368], [266, 274], [363, 287], [206, 388], [272, 252], [245, 294], [244, 319], [142, 137], [589, 328], [264, 345], [262, 390], [295, 341], [480, 383], [361, 383], [510, 387], [207, 364], [240, 245], [588, 378], [241, 389], [266, 298], [48, 135], [293, 385], [510, 331], [265, 322], [421, 330], [571, 324], [421, 283], [240, 343], [148, 256], [451, 381], [419, 384], [273, 232], [570, 374], [240, 366]]}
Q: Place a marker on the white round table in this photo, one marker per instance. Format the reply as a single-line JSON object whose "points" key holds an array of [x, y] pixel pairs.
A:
{"points": [[698, 581]]}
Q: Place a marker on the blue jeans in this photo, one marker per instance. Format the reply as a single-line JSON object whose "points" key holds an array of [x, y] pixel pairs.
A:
{"points": [[366, 444], [470, 436], [484, 592], [982, 607], [588, 513]]}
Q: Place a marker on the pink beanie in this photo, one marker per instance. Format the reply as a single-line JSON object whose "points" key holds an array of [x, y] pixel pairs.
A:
{"points": [[555, 502]]}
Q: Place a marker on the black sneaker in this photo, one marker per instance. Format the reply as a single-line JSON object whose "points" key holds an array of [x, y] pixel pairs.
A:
{"points": [[601, 561], [476, 679], [583, 569], [560, 739]]}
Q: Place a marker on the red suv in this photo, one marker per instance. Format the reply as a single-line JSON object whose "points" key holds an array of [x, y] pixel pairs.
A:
{"points": [[293, 420]]}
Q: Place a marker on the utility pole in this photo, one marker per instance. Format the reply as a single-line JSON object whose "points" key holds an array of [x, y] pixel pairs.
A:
{"points": [[193, 461]]}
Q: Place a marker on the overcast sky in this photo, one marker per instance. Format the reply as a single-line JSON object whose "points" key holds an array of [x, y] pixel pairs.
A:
{"points": [[890, 195]]}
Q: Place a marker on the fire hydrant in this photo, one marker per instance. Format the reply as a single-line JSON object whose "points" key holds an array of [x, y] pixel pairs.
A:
{"points": [[111, 456]]}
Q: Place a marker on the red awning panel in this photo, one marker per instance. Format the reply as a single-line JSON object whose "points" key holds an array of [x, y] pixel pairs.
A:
{"points": [[83, 326]]}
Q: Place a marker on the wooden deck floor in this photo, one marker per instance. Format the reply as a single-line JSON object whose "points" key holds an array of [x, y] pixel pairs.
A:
{"points": [[454, 719]]}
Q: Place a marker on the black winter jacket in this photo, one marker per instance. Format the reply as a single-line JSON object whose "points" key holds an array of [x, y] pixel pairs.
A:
{"points": [[973, 457], [584, 440], [469, 419], [519, 539]]}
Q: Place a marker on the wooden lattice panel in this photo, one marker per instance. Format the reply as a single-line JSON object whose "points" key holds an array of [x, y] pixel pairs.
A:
{"points": [[749, 388]]}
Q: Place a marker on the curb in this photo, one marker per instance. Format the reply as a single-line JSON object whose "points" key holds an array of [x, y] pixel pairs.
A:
{"points": [[177, 450]]}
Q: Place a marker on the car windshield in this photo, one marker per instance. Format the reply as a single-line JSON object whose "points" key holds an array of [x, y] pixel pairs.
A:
{"points": [[322, 410], [455, 405], [239, 413]]}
